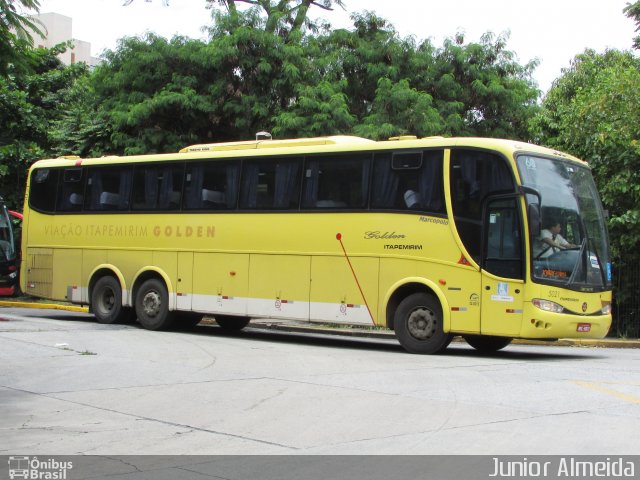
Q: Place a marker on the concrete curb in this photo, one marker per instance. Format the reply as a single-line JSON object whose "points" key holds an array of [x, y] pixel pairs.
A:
{"points": [[44, 306], [353, 332]]}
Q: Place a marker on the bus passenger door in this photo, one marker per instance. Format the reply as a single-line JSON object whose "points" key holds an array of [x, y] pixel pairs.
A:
{"points": [[502, 268]]}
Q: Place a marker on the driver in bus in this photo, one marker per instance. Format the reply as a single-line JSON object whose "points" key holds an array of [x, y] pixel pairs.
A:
{"points": [[551, 241]]}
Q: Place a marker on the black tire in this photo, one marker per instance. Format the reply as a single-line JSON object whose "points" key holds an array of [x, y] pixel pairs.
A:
{"points": [[231, 323], [152, 305], [106, 302], [186, 320], [487, 343], [418, 324]]}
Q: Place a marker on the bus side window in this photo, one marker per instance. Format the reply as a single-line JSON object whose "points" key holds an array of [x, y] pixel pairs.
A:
{"points": [[211, 186], [157, 187], [70, 193], [270, 184], [408, 180], [474, 175], [43, 187], [108, 189], [336, 182]]}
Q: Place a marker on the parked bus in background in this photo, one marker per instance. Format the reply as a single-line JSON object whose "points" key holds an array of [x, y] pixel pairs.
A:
{"points": [[430, 237], [9, 249]]}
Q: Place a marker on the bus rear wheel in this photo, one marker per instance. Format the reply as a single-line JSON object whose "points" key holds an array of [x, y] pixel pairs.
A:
{"points": [[418, 324], [487, 343], [186, 320], [152, 305], [231, 323], [106, 302]]}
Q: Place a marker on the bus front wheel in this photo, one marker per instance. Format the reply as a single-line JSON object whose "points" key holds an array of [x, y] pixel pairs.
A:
{"points": [[106, 302], [487, 343], [418, 324], [152, 305]]}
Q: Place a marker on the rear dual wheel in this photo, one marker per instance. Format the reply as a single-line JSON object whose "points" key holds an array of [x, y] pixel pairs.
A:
{"points": [[231, 323], [106, 302], [152, 305]]}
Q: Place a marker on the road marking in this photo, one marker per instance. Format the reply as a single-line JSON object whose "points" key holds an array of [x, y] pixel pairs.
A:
{"points": [[598, 388]]}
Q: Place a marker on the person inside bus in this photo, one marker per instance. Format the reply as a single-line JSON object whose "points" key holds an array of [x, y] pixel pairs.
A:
{"points": [[551, 241]]}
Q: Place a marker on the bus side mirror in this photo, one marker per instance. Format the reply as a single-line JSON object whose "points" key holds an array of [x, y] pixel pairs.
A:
{"points": [[535, 223]]}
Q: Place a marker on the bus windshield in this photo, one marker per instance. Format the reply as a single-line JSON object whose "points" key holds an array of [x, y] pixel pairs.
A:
{"points": [[571, 249], [7, 244]]}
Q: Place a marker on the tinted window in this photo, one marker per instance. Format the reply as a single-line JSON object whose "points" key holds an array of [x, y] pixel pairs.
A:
{"points": [[474, 176], [70, 193], [211, 186], [108, 189], [157, 187], [336, 182], [408, 180], [272, 184], [44, 183]]}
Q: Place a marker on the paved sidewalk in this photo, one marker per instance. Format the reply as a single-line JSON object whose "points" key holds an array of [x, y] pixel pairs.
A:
{"points": [[364, 332]]}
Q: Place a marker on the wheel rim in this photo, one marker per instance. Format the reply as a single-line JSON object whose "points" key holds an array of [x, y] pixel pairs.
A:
{"points": [[422, 324], [152, 303], [106, 301]]}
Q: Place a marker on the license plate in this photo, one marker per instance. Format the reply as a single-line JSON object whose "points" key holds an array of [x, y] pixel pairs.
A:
{"points": [[584, 327]]}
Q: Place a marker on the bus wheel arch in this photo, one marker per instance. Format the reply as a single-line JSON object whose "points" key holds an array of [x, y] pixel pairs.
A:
{"points": [[151, 299], [401, 291], [106, 297], [418, 316]]}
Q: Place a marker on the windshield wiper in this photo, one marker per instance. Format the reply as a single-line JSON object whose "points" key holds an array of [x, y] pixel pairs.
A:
{"points": [[588, 240], [574, 272]]}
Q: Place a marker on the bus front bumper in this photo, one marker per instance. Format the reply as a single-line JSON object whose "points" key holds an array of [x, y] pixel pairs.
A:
{"points": [[540, 324]]}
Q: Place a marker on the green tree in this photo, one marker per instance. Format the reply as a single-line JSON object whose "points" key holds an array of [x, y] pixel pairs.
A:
{"points": [[15, 30], [593, 112], [149, 95], [154, 95], [480, 88], [30, 102], [632, 10]]}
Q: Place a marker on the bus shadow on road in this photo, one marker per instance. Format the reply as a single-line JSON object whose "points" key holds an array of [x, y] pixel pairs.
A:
{"points": [[458, 347]]}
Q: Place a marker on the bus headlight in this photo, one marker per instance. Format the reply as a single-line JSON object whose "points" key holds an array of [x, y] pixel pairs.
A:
{"points": [[547, 305], [606, 308]]}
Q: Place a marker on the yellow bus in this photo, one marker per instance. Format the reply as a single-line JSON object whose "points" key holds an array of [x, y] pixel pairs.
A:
{"points": [[432, 238]]}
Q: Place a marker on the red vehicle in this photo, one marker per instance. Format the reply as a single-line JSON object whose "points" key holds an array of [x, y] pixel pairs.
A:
{"points": [[9, 248]]}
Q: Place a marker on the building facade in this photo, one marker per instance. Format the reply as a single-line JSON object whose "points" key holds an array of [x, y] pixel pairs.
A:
{"points": [[57, 29]]}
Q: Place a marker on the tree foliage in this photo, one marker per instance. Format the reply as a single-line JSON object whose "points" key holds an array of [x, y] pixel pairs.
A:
{"points": [[154, 95], [15, 32], [593, 112], [31, 100], [632, 10], [268, 67]]}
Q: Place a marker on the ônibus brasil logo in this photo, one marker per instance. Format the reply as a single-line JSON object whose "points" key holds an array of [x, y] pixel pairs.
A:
{"points": [[33, 468]]}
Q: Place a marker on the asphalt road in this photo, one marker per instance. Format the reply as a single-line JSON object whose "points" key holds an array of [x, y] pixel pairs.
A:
{"points": [[69, 385]]}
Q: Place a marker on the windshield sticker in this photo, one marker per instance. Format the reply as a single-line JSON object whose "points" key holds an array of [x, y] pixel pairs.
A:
{"points": [[530, 163], [594, 261]]}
